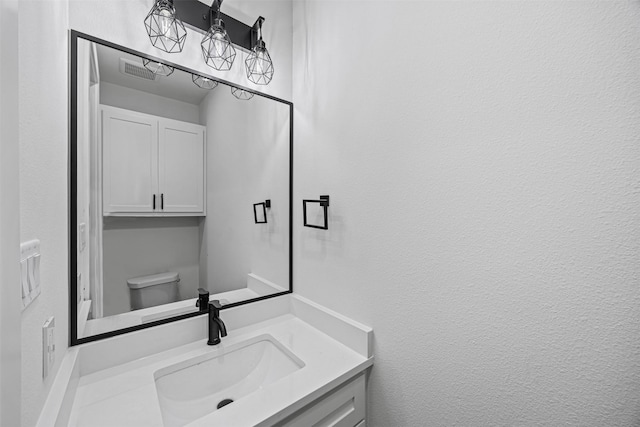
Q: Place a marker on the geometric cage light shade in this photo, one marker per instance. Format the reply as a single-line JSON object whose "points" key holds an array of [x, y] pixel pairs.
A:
{"points": [[164, 29], [241, 94], [204, 82], [217, 49], [259, 65], [158, 68]]}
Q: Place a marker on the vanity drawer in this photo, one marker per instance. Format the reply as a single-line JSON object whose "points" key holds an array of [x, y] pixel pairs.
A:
{"points": [[345, 406]]}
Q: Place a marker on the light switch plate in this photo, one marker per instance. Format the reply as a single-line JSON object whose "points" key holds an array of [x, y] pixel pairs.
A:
{"points": [[48, 346], [29, 249], [29, 271]]}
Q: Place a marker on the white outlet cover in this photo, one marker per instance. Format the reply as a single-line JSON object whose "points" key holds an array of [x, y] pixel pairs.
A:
{"points": [[82, 235], [48, 346]]}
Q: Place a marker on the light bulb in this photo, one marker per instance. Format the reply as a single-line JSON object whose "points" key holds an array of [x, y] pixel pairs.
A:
{"points": [[217, 50], [165, 18], [219, 43]]}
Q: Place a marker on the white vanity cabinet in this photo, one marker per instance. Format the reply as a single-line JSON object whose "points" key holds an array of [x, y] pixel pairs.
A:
{"points": [[345, 406], [152, 166], [278, 363]]}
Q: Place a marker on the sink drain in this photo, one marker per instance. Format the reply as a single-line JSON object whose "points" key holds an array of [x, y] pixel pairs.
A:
{"points": [[224, 402]]}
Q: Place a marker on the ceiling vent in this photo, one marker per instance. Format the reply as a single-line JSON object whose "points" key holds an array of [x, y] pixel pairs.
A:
{"points": [[135, 69]]}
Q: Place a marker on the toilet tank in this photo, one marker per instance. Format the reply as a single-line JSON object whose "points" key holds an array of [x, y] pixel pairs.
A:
{"points": [[152, 290]]}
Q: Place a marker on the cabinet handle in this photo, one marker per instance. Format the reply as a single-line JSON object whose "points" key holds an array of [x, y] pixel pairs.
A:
{"points": [[154, 202], [162, 201]]}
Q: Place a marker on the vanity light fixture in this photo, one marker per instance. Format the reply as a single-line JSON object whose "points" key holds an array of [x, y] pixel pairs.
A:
{"points": [[204, 82], [259, 64], [241, 94], [158, 68], [164, 29], [217, 49], [167, 32]]}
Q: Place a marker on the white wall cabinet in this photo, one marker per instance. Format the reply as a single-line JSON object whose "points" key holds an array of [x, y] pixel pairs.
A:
{"points": [[152, 166]]}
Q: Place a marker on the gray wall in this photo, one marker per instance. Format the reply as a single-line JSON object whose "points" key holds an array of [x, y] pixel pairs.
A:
{"points": [[141, 246], [247, 163], [483, 164], [44, 208], [10, 296]]}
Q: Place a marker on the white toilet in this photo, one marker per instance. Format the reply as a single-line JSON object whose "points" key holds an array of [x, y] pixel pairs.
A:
{"points": [[156, 289]]}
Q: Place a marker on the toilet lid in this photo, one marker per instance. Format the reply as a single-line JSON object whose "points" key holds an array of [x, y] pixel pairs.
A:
{"points": [[153, 279]]}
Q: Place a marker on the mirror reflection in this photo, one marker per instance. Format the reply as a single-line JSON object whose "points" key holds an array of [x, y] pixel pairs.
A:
{"points": [[169, 169]]}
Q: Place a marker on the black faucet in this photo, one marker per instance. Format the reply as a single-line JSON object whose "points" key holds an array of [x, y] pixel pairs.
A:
{"points": [[203, 299], [216, 325]]}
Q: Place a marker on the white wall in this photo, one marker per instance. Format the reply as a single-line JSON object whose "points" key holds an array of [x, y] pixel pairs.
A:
{"points": [[43, 91], [134, 247], [85, 131], [122, 22], [247, 163], [483, 164], [143, 102], [10, 297]]}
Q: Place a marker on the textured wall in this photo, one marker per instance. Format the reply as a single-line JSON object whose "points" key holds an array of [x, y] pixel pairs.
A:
{"points": [[483, 164], [10, 303], [43, 91]]}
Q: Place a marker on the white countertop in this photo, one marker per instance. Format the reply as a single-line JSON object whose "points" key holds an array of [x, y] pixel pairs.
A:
{"points": [[125, 395]]}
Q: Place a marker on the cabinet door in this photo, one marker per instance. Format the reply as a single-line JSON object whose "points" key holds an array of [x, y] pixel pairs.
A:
{"points": [[344, 406], [130, 156], [181, 167]]}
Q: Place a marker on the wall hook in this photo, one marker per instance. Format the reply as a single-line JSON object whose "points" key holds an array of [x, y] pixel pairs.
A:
{"points": [[324, 203]]}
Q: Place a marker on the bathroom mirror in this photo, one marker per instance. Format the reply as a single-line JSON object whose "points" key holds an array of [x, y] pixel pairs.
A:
{"points": [[166, 167]]}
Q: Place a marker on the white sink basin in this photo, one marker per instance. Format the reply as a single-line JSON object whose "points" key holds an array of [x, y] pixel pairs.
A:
{"points": [[195, 387]]}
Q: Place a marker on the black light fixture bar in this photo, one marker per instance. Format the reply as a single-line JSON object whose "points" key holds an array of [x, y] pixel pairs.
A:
{"points": [[197, 15]]}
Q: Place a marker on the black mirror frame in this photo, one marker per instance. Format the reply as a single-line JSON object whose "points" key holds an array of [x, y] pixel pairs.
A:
{"points": [[73, 193]]}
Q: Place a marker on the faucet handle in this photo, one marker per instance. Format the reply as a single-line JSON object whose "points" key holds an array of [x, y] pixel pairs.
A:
{"points": [[203, 299], [216, 304]]}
